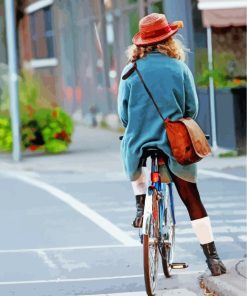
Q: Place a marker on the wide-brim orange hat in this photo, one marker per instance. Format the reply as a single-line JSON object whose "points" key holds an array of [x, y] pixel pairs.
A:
{"points": [[154, 28]]}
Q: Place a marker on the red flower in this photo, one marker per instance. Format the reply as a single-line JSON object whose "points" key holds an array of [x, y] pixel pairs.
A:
{"points": [[62, 136], [33, 147], [54, 114], [30, 110]]}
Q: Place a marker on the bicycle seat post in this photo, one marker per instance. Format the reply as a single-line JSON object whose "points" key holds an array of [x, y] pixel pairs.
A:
{"points": [[154, 168]]}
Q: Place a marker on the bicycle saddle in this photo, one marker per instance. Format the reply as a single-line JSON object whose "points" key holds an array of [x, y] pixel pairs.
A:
{"points": [[150, 151]]}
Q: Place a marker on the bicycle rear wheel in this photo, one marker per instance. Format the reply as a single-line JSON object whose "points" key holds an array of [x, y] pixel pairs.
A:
{"points": [[150, 249], [168, 246]]}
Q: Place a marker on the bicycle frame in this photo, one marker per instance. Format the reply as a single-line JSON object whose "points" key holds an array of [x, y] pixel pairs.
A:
{"points": [[164, 192]]}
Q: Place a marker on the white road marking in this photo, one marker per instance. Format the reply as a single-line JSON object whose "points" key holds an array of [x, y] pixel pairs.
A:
{"points": [[223, 239], [139, 293], [80, 207], [169, 292], [221, 175], [66, 248], [212, 205], [218, 213], [227, 213], [91, 279], [46, 259], [70, 265], [243, 238], [61, 249], [211, 198], [217, 229], [222, 205], [235, 221], [181, 240]]}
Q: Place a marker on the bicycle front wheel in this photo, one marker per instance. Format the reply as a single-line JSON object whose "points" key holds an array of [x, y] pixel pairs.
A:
{"points": [[150, 250]]}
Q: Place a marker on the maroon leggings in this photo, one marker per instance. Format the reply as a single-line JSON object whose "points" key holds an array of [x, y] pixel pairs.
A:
{"points": [[190, 196]]}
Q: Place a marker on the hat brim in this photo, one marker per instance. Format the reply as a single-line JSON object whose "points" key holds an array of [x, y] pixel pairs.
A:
{"points": [[138, 41]]}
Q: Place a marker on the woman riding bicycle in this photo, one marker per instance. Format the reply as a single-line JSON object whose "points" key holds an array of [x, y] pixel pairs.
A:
{"points": [[160, 59]]}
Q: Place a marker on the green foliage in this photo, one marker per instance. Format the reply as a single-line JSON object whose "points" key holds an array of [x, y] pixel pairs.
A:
{"points": [[103, 124], [228, 154], [5, 134], [56, 146], [56, 129], [133, 19], [44, 125], [32, 96], [133, 23], [220, 72], [157, 7], [49, 129]]}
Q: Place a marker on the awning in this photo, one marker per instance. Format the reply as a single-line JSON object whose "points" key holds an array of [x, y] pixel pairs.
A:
{"points": [[223, 13]]}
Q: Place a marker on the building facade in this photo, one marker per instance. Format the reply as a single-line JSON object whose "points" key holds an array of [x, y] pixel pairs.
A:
{"points": [[78, 47]]}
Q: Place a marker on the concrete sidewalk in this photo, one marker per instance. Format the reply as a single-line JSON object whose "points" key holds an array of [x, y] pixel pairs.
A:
{"points": [[233, 283], [92, 149], [95, 149]]}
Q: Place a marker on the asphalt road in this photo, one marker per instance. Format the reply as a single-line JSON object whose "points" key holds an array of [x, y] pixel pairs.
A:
{"points": [[69, 233]]}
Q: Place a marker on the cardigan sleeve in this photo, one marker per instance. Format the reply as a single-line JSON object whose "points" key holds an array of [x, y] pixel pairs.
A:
{"points": [[191, 99], [123, 98]]}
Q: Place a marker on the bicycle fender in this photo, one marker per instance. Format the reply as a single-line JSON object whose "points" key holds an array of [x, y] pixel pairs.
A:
{"points": [[147, 214]]}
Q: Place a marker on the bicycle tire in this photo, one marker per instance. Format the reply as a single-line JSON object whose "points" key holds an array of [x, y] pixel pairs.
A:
{"points": [[151, 251], [167, 249]]}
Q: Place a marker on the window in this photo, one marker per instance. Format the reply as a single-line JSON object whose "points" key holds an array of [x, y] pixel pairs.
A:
{"points": [[49, 33], [33, 34], [42, 33]]}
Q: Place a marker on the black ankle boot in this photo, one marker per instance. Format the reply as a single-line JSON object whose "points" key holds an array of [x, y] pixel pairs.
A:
{"points": [[213, 261], [140, 202]]}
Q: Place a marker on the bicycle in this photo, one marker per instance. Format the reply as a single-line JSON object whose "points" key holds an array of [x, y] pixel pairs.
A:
{"points": [[158, 230]]}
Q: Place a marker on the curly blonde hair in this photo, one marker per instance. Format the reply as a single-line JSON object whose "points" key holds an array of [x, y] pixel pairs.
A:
{"points": [[171, 47]]}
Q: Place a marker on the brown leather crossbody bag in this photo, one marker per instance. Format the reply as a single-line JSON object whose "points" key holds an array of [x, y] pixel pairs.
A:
{"points": [[187, 140]]}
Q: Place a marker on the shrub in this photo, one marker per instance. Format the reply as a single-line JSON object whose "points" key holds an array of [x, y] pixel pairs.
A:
{"points": [[56, 129], [44, 125], [220, 72], [5, 134]]}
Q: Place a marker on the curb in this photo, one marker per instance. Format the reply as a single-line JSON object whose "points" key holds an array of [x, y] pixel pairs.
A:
{"points": [[233, 283]]}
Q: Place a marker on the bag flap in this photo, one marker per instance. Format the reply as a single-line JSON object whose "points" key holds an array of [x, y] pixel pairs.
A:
{"points": [[197, 136]]}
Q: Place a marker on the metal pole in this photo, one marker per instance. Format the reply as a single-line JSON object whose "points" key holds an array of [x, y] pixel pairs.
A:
{"points": [[105, 55], [187, 33], [211, 90], [141, 9], [13, 78]]}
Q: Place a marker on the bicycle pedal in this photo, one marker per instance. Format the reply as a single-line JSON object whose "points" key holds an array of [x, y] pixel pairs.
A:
{"points": [[179, 265]]}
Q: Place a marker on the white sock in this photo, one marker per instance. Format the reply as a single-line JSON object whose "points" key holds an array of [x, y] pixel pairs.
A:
{"points": [[203, 230], [139, 185]]}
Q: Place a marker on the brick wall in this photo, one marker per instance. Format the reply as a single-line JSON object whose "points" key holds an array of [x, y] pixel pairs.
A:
{"points": [[47, 74]]}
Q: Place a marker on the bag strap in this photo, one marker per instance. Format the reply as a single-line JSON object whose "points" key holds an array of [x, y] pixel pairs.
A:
{"points": [[129, 73], [149, 92]]}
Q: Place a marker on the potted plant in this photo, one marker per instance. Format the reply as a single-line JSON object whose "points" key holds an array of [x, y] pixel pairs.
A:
{"points": [[230, 103]]}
